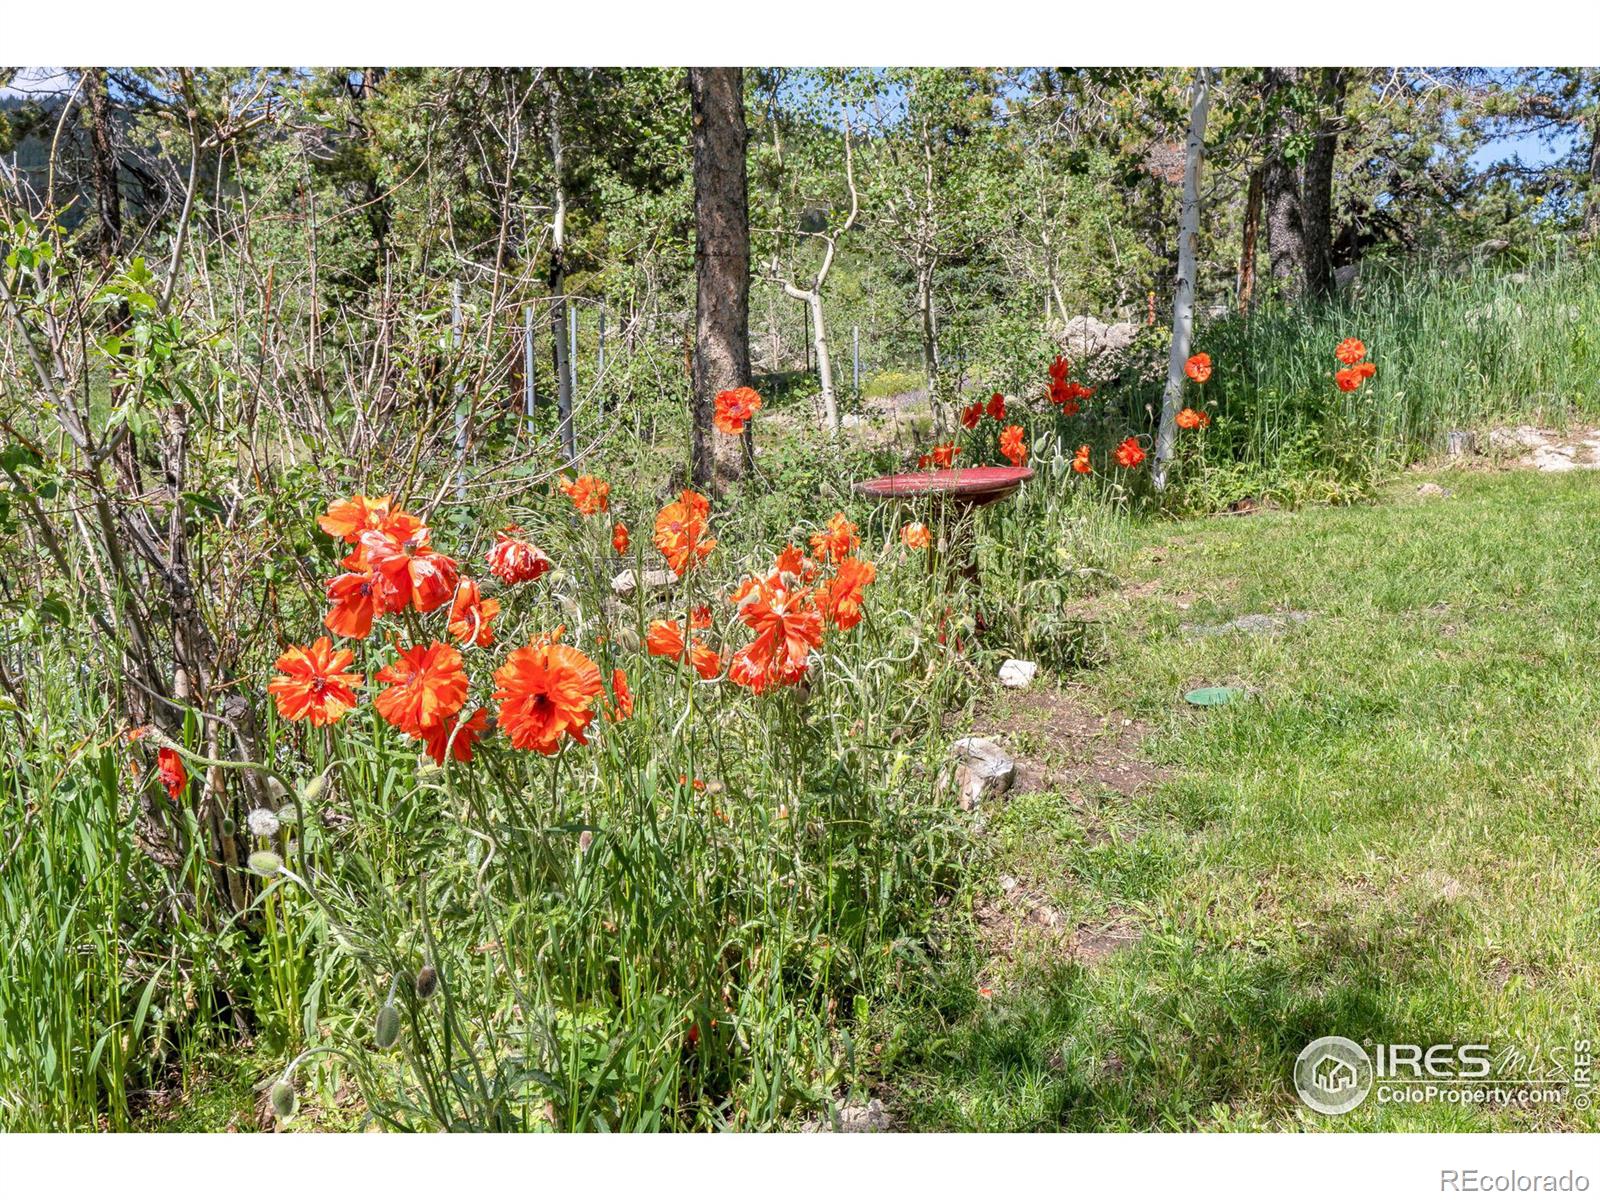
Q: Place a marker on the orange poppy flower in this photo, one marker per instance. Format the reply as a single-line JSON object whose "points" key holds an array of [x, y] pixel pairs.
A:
{"points": [[788, 627], [547, 692], [1366, 370], [619, 538], [700, 617], [971, 415], [171, 771], [1348, 378], [349, 519], [621, 707], [513, 560], [1059, 368], [997, 406], [589, 493], [1012, 445], [1350, 351], [836, 541], [707, 663], [664, 639], [1129, 454], [1193, 418], [734, 408], [944, 456], [1080, 461], [1198, 368], [455, 738], [313, 683], [680, 532], [471, 616], [412, 572], [355, 597], [429, 687], [915, 535], [840, 599]]}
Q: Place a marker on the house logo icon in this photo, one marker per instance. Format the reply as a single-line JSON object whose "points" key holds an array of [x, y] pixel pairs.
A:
{"points": [[1332, 1075]]}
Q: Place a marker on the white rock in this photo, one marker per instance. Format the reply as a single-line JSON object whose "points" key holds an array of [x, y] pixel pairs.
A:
{"points": [[624, 583], [1018, 672]]}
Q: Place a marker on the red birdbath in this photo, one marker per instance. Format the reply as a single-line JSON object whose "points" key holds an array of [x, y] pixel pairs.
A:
{"points": [[964, 488]]}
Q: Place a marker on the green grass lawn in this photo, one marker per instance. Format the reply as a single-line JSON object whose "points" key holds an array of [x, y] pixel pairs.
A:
{"points": [[1395, 838]]}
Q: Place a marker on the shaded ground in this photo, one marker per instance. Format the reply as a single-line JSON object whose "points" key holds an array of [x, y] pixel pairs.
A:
{"points": [[1392, 838]]}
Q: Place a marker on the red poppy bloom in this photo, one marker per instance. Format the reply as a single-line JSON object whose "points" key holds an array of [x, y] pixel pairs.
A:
{"points": [[971, 415], [513, 560], [944, 456], [471, 616], [588, 493], [170, 770], [788, 627], [836, 541], [619, 538], [734, 408], [455, 737], [1012, 445], [412, 572], [1193, 418], [547, 692], [314, 683], [1129, 454], [1059, 368], [1350, 351], [1366, 370], [680, 532], [664, 639], [1198, 368], [429, 687], [349, 519], [700, 617], [355, 600], [1348, 378], [621, 707], [915, 535], [840, 599], [1080, 461], [997, 406]]}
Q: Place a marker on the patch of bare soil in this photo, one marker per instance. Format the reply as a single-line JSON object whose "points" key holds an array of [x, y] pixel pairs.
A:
{"points": [[1022, 917], [1060, 744]]}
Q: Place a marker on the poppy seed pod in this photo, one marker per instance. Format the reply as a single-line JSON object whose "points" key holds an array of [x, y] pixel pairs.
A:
{"points": [[386, 1030], [284, 1099], [427, 981], [264, 863]]}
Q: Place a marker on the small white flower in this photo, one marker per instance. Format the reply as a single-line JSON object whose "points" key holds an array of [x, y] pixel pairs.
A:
{"points": [[263, 822]]}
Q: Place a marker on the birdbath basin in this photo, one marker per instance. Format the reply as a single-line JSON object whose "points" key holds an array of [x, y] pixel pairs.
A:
{"points": [[963, 488], [971, 487]]}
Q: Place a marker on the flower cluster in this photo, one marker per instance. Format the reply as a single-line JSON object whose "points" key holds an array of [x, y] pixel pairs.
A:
{"points": [[1065, 393], [1352, 352]]}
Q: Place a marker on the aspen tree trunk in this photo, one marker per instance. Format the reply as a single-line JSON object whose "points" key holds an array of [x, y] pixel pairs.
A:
{"points": [[1183, 294], [558, 279]]}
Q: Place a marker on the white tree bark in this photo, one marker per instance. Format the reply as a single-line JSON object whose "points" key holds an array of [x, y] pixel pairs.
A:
{"points": [[1183, 296], [812, 296]]}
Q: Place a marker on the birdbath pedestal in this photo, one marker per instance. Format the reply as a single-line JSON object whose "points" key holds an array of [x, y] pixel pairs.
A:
{"points": [[956, 492]]}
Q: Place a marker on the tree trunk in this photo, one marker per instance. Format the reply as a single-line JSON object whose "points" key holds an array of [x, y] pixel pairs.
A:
{"points": [[722, 268], [103, 165], [930, 341], [1280, 191], [1317, 205], [1591, 214], [1252, 234], [1183, 294]]}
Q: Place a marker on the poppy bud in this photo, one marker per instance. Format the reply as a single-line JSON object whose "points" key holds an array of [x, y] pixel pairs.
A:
{"points": [[427, 981], [264, 863], [276, 792], [312, 792], [284, 1099], [289, 814], [228, 827], [386, 1030]]}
